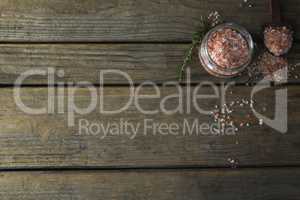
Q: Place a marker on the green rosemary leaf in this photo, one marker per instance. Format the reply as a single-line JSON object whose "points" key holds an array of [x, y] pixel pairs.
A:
{"points": [[187, 60], [205, 25], [196, 39]]}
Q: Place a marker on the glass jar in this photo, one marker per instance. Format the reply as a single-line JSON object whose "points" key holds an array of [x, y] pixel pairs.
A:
{"points": [[211, 62]]}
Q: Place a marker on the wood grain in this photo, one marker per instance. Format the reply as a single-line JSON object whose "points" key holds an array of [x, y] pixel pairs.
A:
{"points": [[168, 184], [126, 20], [84, 62], [45, 140]]}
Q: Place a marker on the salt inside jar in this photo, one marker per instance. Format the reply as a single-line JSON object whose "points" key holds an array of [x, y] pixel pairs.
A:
{"points": [[226, 50]]}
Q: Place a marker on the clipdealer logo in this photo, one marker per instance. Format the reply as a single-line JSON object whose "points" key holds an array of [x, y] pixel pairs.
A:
{"points": [[280, 121], [188, 97]]}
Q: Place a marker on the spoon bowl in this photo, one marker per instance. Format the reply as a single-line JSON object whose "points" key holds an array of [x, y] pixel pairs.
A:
{"points": [[278, 36]]}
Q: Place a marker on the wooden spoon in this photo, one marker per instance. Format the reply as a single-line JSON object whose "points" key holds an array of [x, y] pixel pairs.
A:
{"points": [[278, 36], [274, 7]]}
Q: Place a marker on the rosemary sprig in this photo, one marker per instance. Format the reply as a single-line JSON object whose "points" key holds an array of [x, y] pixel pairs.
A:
{"points": [[205, 25]]}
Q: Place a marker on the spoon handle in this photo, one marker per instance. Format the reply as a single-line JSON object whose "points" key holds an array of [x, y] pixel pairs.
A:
{"points": [[275, 11]]}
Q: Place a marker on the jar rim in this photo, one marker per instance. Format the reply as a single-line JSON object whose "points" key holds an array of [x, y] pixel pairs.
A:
{"points": [[221, 71]]}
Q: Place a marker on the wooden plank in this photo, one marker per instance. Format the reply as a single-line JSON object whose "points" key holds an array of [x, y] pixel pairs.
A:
{"points": [[82, 62], [126, 20], [45, 140], [169, 184]]}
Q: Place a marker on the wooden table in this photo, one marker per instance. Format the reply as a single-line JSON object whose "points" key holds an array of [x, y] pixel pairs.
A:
{"points": [[41, 157]]}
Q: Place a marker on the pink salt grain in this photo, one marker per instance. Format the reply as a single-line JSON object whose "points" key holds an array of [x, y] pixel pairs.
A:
{"points": [[228, 48]]}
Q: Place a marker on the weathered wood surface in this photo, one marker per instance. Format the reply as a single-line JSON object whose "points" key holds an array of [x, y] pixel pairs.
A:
{"points": [[168, 184], [45, 140], [126, 20], [83, 62]]}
